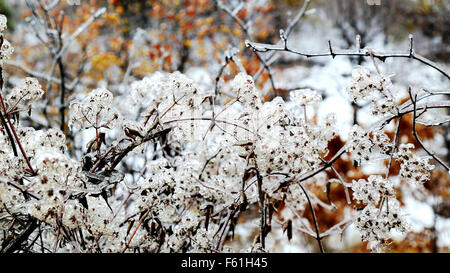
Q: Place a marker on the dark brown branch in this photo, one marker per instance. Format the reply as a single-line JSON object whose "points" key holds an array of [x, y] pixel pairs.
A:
{"points": [[22, 237], [62, 75], [262, 222], [316, 225], [233, 210], [8, 132], [135, 144], [7, 120]]}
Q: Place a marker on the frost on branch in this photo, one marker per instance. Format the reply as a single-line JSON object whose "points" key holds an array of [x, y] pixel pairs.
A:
{"points": [[206, 174], [6, 50]]}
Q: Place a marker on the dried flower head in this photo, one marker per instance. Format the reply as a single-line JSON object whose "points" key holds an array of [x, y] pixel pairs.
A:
{"points": [[95, 111], [6, 51], [372, 190], [363, 84], [3, 22], [305, 97]]}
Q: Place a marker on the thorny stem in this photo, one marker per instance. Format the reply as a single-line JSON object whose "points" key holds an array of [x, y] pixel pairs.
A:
{"points": [[259, 47]]}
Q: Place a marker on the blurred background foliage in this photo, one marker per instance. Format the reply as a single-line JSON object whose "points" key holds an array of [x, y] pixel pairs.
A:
{"points": [[6, 10]]}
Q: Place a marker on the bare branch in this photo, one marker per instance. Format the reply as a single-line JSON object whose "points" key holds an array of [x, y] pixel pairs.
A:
{"points": [[318, 238], [413, 100], [260, 47]]}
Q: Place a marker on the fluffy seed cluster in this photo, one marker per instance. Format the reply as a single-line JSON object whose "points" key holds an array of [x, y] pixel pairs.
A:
{"points": [[375, 224], [174, 97], [3, 23], [287, 144], [415, 169], [362, 143], [28, 90], [382, 212], [245, 90], [191, 178], [383, 106], [365, 86], [6, 50], [94, 111], [305, 97], [372, 190]]}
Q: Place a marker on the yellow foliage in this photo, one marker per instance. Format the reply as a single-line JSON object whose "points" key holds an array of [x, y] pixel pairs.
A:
{"points": [[112, 18], [116, 43], [187, 43], [104, 60], [209, 21], [144, 68], [224, 29], [201, 51], [237, 32], [53, 111], [119, 10]]}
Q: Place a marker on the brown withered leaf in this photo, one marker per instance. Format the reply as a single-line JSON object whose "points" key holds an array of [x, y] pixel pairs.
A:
{"points": [[287, 227]]}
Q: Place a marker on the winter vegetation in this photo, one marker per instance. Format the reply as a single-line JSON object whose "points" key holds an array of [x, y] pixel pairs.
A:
{"points": [[224, 126]]}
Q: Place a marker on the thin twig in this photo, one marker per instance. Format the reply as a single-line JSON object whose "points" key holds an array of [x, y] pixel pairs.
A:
{"points": [[413, 100], [318, 238]]}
